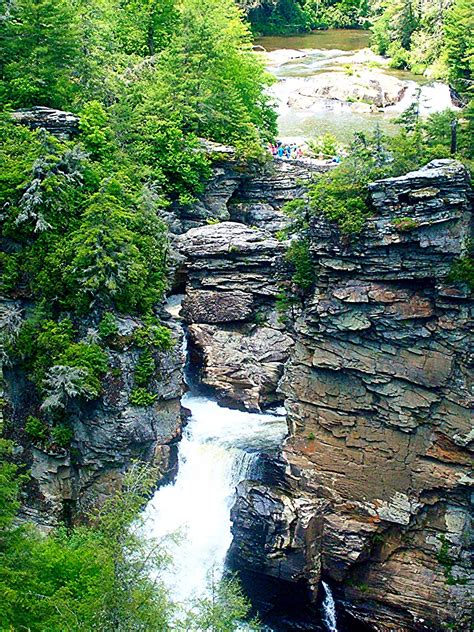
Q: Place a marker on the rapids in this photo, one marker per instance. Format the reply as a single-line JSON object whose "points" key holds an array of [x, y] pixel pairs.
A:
{"points": [[296, 63], [219, 448]]}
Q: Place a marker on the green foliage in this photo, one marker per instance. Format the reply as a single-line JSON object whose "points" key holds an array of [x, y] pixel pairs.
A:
{"points": [[108, 325], [36, 428], [62, 435], [299, 257], [459, 43], [41, 52], [144, 368], [60, 367], [296, 16], [448, 562], [326, 145], [431, 38], [462, 270], [140, 396], [152, 334], [10, 482], [144, 27], [96, 133], [88, 578], [224, 611]]}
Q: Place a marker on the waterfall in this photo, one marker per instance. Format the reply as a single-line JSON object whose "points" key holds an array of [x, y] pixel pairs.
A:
{"points": [[217, 451], [329, 609]]}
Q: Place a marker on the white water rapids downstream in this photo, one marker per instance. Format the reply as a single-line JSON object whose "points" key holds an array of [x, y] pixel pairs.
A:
{"points": [[217, 451]]}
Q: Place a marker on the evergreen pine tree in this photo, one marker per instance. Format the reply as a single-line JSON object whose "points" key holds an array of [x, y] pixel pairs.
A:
{"points": [[41, 50]]}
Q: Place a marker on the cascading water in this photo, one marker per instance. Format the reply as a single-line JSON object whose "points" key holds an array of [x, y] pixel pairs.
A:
{"points": [[217, 451], [329, 609]]}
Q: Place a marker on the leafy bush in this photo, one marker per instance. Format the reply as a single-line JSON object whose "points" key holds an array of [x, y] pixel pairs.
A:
{"points": [[108, 325], [154, 335], [62, 435], [462, 270], [299, 257], [60, 367], [36, 428], [145, 368], [141, 397]]}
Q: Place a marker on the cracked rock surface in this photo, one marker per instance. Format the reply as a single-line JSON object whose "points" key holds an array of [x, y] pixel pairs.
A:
{"points": [[379, 393]]}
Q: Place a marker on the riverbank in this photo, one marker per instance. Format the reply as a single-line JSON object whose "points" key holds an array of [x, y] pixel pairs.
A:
{"points": [[330, 81]]}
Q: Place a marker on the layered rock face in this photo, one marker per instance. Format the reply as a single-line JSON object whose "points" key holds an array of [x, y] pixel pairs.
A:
{"points": [[379, 396], [253, 194], [57, 122], [229, 270], [229, 306]]}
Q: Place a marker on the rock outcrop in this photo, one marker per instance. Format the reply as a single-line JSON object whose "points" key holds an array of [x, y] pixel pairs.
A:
{"points": [[229, 306], [379, 396], [108, 433], [57, 122], [374, 89], [253, 194]]}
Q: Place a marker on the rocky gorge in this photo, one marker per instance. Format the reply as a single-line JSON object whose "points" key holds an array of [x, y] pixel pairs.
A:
{"points": [[372, 492], [371, 489]]}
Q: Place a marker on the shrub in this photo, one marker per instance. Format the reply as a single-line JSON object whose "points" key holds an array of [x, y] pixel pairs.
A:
{"points": [[141, 397], [462, 270], [62, 435], [145, 368], [108, 325], [154, 335], [36, 428], [299, 257]]}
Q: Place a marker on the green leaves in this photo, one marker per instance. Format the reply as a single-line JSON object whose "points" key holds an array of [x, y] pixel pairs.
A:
{"points": [[41, 53]]}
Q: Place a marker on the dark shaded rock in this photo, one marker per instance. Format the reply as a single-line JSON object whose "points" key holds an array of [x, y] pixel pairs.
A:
{"points": [[276, 535]]}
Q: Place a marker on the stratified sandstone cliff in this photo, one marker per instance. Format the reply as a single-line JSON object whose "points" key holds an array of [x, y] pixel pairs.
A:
{"points": [[229, 272], [249, 193], [234, 334], [379, 396]]}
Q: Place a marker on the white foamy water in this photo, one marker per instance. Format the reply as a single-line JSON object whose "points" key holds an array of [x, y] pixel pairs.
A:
{"points": [[216, 452], [329, 609]]}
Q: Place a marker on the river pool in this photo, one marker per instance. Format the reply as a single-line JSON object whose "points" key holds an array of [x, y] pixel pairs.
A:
{"points": [[300, 62]]}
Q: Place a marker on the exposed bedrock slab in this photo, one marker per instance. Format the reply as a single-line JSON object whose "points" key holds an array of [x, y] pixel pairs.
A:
{"points": [[57, 122], [229, 304], [379, 392], [242, 364]]}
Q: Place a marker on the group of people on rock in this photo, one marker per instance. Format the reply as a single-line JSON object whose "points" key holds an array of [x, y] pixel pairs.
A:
{"points": [[286, 150], [292, 151]]}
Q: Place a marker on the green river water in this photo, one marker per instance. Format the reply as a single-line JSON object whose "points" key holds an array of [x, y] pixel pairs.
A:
{"points": [[297, 60]]}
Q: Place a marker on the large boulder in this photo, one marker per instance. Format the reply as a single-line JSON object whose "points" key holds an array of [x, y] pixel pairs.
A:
{"points": [[367, 87]]}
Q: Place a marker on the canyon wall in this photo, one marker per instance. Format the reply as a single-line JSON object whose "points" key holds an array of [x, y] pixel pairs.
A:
{"points": [[228, 255], [108, 432], [373, 489]]}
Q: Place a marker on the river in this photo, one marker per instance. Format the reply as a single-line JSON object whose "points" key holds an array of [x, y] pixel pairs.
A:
{"points": [[341, 59], [219, 448]]}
